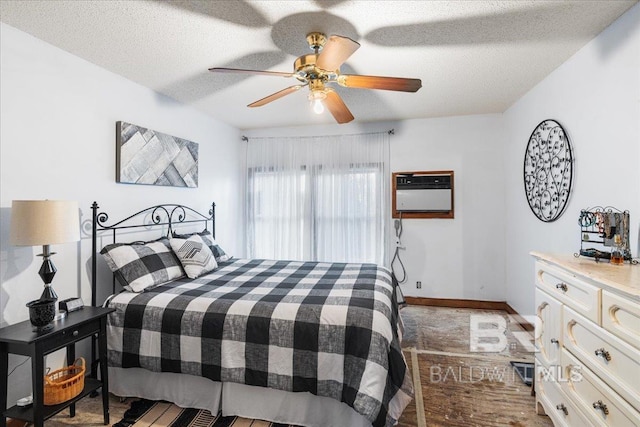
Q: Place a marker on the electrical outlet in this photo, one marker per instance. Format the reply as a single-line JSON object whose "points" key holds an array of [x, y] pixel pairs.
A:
{"points": [[419, 284]]}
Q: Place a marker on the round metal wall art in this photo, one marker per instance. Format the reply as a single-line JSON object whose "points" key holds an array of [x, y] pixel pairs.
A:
{"points": [[548, 170]]}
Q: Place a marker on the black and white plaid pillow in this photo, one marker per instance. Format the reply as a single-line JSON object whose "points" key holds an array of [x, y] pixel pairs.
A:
{"points": [[208, 239], [194, 254], [141, 265]]}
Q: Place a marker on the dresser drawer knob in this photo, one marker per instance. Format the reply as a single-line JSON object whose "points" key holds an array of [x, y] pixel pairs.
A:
{"points": [[601, 352], [562, 286], [554, 341], [601, 406], [563, 408]]}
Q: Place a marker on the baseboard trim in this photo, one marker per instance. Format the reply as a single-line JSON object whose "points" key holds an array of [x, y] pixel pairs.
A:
{"points": [[469, 303], [458, 303]]}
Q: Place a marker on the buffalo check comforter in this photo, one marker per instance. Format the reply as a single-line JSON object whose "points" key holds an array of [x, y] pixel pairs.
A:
{"points": [[331, 329]]}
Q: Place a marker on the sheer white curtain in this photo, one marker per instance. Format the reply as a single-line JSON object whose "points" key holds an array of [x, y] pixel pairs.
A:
{"points": [[318, 198]]}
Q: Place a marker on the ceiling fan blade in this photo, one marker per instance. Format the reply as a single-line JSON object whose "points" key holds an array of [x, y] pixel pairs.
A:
{"points": [[337, 107], [274, 96], [337, 50], [241, 71], [378, 82]]}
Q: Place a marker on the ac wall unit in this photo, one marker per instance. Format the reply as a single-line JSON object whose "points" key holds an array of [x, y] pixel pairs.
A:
{"points": [[424, 193]]}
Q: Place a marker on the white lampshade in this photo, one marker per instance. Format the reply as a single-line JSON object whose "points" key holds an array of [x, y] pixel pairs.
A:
{"points": [[44, 222]]}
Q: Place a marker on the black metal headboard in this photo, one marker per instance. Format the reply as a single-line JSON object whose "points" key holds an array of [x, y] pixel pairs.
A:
{"points": [[169, 215]]}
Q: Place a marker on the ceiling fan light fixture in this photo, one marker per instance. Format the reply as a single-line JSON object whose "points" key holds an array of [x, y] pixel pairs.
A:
{"points": [[317, 97], [322, 66], [318, 108]]}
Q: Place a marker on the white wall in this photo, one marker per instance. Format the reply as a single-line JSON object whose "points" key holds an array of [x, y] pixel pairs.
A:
{"points": [[57, 141], [453, 258], [595, 95], [461, 258]]}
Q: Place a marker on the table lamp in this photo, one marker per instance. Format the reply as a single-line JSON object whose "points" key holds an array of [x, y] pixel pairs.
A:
{"points": [[45, 222]]}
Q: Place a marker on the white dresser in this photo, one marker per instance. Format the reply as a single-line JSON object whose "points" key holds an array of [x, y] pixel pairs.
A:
{"points": [[588, 341]]}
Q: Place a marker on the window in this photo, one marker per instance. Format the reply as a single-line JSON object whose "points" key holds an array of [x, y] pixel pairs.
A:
{"points": [[346, 223], [318, 199]]}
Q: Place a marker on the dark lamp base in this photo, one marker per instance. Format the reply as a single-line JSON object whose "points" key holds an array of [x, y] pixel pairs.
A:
{"points": [[48, 293], [47, 269]]}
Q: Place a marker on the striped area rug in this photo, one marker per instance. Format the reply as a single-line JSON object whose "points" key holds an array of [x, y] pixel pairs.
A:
{"points": [[147, 413]]}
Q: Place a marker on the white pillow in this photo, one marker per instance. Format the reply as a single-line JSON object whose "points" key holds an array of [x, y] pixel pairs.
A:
{"points": [[211, 242], [194, 255]]}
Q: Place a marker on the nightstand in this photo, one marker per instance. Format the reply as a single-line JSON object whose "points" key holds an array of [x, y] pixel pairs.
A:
{"points": [[22, 339]]}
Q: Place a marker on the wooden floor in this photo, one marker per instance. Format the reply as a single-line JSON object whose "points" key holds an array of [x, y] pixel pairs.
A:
{"points": [[454, 386], [458, 387]]}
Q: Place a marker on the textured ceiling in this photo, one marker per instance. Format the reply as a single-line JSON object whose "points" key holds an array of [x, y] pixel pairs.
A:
{"points": [[473, 57]]}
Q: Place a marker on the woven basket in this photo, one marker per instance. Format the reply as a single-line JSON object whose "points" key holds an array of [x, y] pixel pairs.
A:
{"points": [[64, 384]]}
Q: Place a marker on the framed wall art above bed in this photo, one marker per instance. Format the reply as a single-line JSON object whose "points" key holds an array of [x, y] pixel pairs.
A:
{"points": [[145, 156], [305, 343]]}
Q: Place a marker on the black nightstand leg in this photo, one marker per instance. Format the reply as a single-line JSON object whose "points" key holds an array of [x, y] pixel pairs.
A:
{"points": [[71, 357], [104, 375], [4, 372], [37, 381]]}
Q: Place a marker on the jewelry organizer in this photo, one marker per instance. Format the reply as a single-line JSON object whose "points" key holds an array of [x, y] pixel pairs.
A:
{"points": [[598, 226]]}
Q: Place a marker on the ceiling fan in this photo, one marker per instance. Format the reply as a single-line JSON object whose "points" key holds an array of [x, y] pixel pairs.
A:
{"points": [[321, 68]]}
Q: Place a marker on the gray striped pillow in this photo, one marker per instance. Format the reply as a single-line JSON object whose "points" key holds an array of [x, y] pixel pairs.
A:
{"points": [[194, 255]]}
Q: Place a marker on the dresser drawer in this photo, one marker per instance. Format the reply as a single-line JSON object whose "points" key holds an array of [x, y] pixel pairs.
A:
{"points": [[72, 335], [548, 336], [621, 317], [594, 398], [613, 360], [570, 290], [561, 410]]}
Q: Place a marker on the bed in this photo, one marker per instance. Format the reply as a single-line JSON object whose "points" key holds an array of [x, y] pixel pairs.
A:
{"points": [[306, 343]]}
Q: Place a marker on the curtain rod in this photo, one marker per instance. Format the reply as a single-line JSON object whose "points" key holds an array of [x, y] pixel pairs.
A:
{"points": [[391, 131]]}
